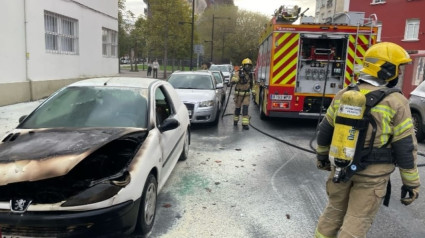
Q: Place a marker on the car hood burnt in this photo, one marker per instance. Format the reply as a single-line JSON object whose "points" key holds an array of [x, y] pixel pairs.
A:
{"points": [[30, 155]]}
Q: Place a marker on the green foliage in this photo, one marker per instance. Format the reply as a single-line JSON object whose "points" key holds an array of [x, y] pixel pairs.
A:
{"points": [[234, 39], [164, 31]]}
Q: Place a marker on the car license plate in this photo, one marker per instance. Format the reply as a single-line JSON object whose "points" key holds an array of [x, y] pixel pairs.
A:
{"points": [[280, 97]]}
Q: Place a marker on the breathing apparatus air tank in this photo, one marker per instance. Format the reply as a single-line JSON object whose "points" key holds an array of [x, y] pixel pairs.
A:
{"points": [[345, 136]]}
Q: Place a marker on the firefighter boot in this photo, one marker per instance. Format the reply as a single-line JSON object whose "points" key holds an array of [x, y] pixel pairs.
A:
{"points": [[236, 116], [245, 117]]}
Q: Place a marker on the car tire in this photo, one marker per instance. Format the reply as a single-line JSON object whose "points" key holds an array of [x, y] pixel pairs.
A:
{"points": [[147, 209], [417, 123], [262, 114], [217, 116], [185, 152]]}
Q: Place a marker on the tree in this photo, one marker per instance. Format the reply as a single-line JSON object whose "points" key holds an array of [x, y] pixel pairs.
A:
{"points": [[164, 33], [234, 39], [123, 29]]}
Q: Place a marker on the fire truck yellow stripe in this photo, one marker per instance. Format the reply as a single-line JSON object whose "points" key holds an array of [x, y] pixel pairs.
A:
{"points": [[288, 65], [362, 46], [350, 58], [284, 49], [285, 59]]}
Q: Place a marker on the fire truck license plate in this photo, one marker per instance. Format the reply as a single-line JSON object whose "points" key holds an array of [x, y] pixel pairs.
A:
{"points": [[280, 97]]}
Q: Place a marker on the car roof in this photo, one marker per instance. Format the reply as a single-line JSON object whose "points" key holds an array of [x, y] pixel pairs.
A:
{"points": [[202, 72], [117, 82]]}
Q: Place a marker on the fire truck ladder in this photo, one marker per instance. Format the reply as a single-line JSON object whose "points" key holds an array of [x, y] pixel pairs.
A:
{"points": [[371, 20]]}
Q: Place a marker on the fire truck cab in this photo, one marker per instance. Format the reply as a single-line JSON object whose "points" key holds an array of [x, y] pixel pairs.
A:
{"points": [[300, 67]]}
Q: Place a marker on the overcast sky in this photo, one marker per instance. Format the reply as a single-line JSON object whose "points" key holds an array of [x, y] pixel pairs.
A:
{"points": [[266, 7]]}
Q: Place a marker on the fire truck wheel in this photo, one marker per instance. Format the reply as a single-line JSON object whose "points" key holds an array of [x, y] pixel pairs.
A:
{"points": [[417, 123], [262, 114]]}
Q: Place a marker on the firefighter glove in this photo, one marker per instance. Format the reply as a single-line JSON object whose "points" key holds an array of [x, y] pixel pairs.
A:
{"points": [[409, 194], [323, 162]]}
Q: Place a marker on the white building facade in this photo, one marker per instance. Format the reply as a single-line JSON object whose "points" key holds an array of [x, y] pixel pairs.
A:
{"points": [[47, 44]]}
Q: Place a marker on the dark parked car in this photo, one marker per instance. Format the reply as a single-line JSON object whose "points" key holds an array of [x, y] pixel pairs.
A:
{"points": [[91, 159], [199, 92], [417, 107]]}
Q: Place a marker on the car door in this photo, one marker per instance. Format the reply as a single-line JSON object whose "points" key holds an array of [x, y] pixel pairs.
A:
{"points": [[170, 139]]}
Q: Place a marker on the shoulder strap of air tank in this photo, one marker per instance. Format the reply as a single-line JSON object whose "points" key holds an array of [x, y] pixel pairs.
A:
{"points": [[374, 97]]}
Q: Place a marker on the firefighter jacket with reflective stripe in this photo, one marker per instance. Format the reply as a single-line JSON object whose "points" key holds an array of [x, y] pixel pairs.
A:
{"points": [[244, 81], [394, 130]]}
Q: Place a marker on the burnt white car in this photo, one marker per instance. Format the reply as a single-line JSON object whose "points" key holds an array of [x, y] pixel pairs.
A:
{"points": [[91, 159], [200, 92]]}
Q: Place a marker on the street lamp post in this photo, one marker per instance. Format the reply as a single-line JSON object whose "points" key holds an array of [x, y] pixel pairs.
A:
{"points": [[191, 39], [212, 33], [222, 48]]}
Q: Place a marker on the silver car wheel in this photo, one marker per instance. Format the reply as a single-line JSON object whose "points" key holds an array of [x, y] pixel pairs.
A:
{"points": [[150, 203]]}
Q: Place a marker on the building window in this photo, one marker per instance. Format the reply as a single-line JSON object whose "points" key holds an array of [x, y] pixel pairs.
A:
{"points": [[378, 1], [412, 29], [109, 43], [379, 33], [61, 34]]}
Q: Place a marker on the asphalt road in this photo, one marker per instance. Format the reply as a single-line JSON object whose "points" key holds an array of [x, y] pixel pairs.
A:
{"points": [[239, 183], [245, 184]]}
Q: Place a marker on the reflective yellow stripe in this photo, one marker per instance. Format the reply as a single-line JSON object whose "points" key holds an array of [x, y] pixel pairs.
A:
{"points": [[384, 109], [322, 149], [331, 110], [409, 176], [364, 91], [242, 93], [387, 116], [402, 127], [317, 234]]}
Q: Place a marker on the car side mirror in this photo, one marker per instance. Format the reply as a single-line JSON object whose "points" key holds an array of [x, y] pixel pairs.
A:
{"points": [[22, 118], [168, 124]]}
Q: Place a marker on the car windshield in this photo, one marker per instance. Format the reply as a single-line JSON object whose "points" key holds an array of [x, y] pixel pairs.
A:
{"points": [[218, 77], [191, 81], [84, 107], [222, 68]]}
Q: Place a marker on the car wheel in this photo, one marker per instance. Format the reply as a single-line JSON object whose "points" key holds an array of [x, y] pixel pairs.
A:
{"points": [[185, 153], [217, 116], [262, 114], [417, 123], [147, 209]]}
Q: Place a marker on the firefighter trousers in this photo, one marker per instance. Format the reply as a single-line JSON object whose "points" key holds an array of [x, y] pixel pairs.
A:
{"points": [[352, 206], [242, 101]]}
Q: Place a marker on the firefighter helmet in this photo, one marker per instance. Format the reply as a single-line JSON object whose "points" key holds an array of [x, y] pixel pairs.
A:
{"points": [[247, 64], [383, 60]]}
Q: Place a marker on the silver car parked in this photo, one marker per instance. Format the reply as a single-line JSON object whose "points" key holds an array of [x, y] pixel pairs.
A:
{"points": [[198, 91], [417, 107]]}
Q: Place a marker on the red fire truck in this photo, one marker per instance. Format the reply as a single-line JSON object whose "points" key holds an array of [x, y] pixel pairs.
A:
{"points": [[300, 67]]}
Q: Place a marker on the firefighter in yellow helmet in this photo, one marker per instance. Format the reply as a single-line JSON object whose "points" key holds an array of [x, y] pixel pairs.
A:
{"points": [[386, 139], [243, 79]]}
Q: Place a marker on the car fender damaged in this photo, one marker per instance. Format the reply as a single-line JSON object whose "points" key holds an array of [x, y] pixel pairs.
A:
{"points": [[76, 179]]}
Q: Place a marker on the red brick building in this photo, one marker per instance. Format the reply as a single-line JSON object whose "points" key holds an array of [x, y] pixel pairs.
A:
{"points": [[399, 21]]}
